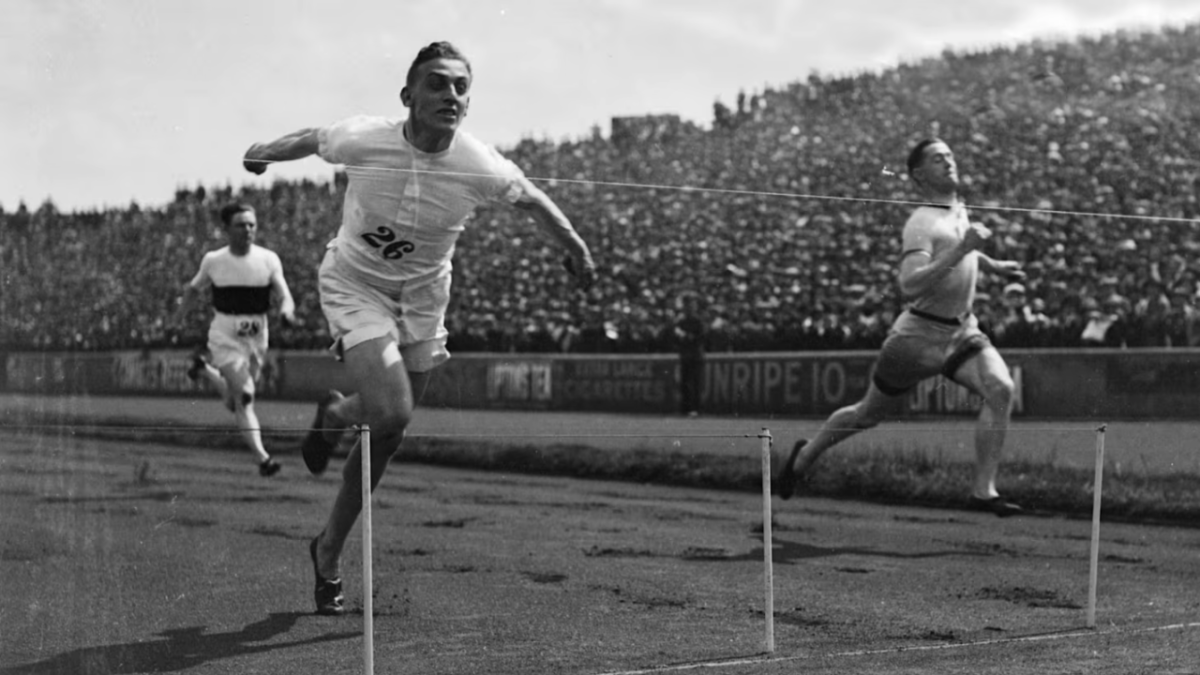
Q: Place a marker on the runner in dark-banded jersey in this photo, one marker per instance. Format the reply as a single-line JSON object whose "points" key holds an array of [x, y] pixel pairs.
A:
{"points": [[937, 334], [243, 277], [385, 279]]}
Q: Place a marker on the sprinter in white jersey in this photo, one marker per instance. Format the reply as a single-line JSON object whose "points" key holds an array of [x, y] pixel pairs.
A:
{"points": [[385, 279], [937, 334], [242, 276]]}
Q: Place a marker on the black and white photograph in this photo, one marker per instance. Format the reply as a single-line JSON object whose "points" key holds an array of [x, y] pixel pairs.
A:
{"points": [[599, 337]]}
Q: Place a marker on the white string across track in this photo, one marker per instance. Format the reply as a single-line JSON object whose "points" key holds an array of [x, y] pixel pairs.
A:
{"points": [[799, 196]]}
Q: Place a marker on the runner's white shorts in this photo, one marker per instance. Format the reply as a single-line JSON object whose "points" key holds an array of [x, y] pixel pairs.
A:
{"points": [[921, 346], [414, 316], [238, 340]]}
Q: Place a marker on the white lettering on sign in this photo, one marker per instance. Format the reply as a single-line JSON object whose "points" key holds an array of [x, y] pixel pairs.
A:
{"points": [[650, 391], [519, 381], [150, 371], [35, 372], [940, 395], [626, 382], [790, 383]]}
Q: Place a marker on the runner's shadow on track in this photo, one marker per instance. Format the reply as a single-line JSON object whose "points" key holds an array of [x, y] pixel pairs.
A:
{"points": [[181, 649], [785, 552]]}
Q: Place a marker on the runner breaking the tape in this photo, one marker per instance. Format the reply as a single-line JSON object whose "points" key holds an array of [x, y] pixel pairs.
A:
{"points": [[385, 279]]}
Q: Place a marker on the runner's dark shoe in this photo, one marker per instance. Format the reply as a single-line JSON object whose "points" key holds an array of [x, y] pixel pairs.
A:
{"points": [[316, 447], [268, 468], [785, 483], [327, 592], [197, 366], [997, 505]]}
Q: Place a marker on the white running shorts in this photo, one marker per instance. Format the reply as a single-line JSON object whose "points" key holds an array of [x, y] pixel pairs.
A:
{"points": [[238, 340], [414, 316]]}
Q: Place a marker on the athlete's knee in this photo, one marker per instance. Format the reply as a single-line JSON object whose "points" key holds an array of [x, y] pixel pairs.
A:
{"points": [[867, 419], [239, 386], [858, 417], [389, 423], [388, 418], [383, 448], [880, 401], [999, 391], [239, 399]]}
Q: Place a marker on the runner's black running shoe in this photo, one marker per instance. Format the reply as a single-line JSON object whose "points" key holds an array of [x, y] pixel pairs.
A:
{"points": [[197, 366], [327, 592], [316, 447], [268, 468], [785, 483]]}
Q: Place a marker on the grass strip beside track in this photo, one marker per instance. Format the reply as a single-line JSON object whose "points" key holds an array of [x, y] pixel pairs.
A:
{"points": [[884, 475]]}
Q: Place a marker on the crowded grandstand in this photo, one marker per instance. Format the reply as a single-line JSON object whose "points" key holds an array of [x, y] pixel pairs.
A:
{"points": [[783, 214]]}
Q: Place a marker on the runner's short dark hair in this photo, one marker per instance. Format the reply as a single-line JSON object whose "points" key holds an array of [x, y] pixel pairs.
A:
{"points": [[918, 153], [435, 50], [230, 210]]}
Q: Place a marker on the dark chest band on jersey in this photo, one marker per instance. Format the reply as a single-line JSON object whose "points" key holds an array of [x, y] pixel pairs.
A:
{"points": [[241, 299], [946, 321]]}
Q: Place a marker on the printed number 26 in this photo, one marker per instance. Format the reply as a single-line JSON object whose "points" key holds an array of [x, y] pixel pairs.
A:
{"points": [[383, 238]]}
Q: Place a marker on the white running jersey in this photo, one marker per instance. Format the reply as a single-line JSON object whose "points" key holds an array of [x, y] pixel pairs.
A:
{"points": [[240, 284], [404, 208], [935, 230]]}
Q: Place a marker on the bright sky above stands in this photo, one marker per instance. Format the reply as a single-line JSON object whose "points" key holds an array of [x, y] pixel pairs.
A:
{"points": [[107, 102]]}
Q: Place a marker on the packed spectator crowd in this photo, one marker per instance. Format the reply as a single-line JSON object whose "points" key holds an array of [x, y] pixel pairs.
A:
{"points": [[784, 217]]}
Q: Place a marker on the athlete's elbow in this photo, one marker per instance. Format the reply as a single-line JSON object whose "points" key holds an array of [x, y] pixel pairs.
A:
{"points": [[910, 290]]}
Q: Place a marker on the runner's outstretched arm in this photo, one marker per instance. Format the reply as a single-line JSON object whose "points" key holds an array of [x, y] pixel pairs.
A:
{"points": [[296, 145], [555, 223]]}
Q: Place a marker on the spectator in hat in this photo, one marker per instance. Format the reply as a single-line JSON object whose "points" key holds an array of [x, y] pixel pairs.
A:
{"points": [[1181, 318], [1020, 325], [1149, 317], [1107, 323], [691, 336]]}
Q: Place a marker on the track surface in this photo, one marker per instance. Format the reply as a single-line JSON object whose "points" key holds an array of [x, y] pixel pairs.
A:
{"points": [[131, 558]]}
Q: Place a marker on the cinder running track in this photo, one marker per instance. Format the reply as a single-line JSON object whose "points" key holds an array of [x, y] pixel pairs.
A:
{"points": [[121, 557]]}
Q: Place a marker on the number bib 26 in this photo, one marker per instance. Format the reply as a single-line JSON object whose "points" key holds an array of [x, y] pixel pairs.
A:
{"points": [[384, 239]]}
